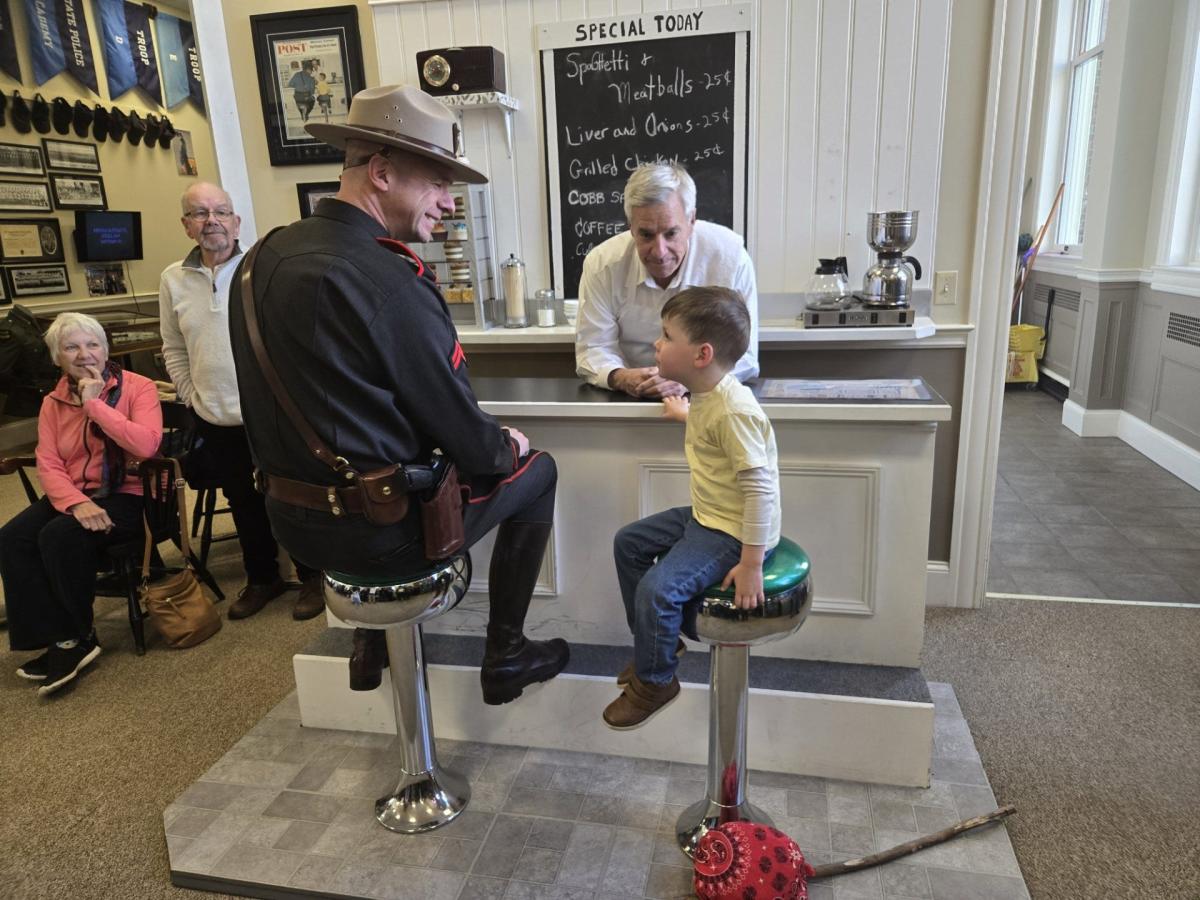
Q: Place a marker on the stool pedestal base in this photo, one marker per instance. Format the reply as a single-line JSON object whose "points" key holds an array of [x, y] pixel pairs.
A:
{"points": [[424, 802], [702, 817], [427, 796]]}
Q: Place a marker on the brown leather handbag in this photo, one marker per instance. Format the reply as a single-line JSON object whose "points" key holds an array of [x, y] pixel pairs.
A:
{"points": [[176, 604]]}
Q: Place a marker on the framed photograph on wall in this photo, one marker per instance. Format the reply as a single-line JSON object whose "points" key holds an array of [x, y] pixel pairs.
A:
{"points": [[24, 196], [78, 191], [309, 192], [30, 241], [71, 156], [21, 159], [29, 281], [309, 66]]}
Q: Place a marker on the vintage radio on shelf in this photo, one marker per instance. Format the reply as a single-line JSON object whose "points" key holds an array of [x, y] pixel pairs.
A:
{"points": [[461, 70]]}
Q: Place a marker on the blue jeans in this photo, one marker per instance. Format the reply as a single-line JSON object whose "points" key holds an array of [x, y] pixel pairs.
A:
{"points": [[663, 562]]}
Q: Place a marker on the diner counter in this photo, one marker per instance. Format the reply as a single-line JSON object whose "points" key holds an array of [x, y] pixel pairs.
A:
{"points": [[566, 398], [855, 481]]}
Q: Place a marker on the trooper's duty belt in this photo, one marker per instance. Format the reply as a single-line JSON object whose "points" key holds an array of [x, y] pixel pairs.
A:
{"points": [[347, 499]]}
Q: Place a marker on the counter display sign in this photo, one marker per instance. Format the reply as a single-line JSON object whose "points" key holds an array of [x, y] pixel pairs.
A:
{"points": [[627, 90]]}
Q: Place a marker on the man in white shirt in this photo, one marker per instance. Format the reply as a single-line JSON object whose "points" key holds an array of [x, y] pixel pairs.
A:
{"points": [[627, 279], [193, 301]]}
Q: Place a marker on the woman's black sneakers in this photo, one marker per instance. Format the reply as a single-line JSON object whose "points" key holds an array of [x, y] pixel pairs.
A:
{"points": [[35, 669], [64, 663]]}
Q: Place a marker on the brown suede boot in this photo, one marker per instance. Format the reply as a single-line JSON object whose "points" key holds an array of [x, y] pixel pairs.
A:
{"points": [[253, 597], [638, 702], [626, 674], [310, 602]]}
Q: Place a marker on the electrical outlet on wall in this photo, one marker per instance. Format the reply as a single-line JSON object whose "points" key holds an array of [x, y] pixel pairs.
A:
{"points": [[945, 288]]}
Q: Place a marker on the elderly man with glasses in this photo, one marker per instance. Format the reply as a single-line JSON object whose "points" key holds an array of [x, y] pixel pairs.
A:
{"points": [[193, 299]]}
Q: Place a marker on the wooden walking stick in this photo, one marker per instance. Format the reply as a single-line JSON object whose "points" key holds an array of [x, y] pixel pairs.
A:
{"points": [[929, 840]]}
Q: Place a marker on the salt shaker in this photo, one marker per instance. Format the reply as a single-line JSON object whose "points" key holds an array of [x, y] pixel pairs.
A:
{"points": [[545, 307], [512, 272]]}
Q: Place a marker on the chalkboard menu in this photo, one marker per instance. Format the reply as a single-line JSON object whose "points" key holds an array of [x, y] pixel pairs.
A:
{"points": [[611, 107]]}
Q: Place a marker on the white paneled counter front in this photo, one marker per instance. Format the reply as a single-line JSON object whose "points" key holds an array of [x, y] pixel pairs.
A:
{"points": [[856, 480]]}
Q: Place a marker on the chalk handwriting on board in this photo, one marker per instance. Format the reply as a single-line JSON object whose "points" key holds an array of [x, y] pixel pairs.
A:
{"points": [[620, 105]]}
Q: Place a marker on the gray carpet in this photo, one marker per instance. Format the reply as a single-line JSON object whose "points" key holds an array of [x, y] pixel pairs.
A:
{"points": [[1086, 717]]}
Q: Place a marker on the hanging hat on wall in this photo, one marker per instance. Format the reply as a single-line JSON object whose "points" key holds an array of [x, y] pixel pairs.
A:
{"points": [[3, 106], [82, 119], [167, 135], [153, 129], [100, 120], [118, 124], [41, 114], [137, 128], [60, 115], [20, 113]]}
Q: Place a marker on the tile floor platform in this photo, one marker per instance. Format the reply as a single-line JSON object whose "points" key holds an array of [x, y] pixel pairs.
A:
{"points": [[1087, 517], [288, 812]]}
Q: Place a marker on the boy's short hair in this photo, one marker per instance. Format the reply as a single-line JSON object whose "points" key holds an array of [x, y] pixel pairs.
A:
{"points": [[713, 315]]}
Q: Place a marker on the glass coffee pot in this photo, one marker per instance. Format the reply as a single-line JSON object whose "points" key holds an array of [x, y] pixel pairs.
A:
{"points": [[830, 286]]}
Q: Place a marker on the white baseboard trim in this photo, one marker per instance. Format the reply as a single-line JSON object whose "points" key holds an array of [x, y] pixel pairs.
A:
{"points": [[1173, 455], [1090, 422], [939, 584], [852, 738]]}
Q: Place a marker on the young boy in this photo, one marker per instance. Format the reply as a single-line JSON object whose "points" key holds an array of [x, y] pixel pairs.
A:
{"points": [[668, 559]]}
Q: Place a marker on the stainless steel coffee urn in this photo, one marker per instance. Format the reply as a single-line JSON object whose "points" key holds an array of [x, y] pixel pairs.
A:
{"points": [[888, 283]]}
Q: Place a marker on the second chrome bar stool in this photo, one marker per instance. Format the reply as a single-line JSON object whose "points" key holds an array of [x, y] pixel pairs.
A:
{"points": [[426, 796], [787, 584]]}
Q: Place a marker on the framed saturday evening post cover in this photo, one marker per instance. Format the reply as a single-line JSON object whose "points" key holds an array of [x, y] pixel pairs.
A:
{"points": [[309, 66]]}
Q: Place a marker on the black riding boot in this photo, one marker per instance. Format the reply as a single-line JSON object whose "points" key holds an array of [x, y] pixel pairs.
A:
{"points": [[510, 662]]}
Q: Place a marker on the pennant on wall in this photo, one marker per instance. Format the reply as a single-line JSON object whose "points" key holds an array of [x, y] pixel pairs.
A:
{"points": [[45, 43], [141, 41], [118, 60], [173, 59], [9, 64], [58, 40], [76, 42], [195, 85]]}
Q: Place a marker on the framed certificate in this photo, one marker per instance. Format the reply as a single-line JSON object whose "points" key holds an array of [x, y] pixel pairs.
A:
{"points": [[31, 241]]}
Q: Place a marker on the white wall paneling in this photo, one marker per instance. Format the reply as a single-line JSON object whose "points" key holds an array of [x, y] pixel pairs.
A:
{"points": [[846, 109]]}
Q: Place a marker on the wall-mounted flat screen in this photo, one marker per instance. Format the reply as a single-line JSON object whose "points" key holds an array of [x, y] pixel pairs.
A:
{"points": [[108, 235]]}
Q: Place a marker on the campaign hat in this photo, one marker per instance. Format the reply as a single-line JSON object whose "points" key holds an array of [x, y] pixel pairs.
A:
{"points": [[405, 117]]}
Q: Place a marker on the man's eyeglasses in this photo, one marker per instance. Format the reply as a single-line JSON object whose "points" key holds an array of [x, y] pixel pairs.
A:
{"points": [[203, 215]]}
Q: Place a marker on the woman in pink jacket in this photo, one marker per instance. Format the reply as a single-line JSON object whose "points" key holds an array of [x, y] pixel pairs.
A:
{"points": [[96, 421]]}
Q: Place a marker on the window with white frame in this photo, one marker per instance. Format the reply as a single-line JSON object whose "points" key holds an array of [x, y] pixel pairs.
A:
{"points": [[1180, 236], [1081, 69]]}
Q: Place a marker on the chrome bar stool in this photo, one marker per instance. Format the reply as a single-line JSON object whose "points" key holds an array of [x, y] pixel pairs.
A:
{"points": [[730, 632], [426, 796]]}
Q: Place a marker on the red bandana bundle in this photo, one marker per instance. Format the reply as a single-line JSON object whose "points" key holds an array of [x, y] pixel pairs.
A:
{"points": [[747, 861]]}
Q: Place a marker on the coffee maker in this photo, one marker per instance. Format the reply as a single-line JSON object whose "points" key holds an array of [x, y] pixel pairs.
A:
{"points": [[888, 284]]}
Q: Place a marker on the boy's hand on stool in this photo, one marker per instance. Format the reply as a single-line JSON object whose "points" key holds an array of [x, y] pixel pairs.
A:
{"points": [[747, 578], [676, 408]]}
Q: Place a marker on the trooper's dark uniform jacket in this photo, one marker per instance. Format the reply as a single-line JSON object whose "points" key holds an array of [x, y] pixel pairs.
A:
{"points": [[364, 343]]}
